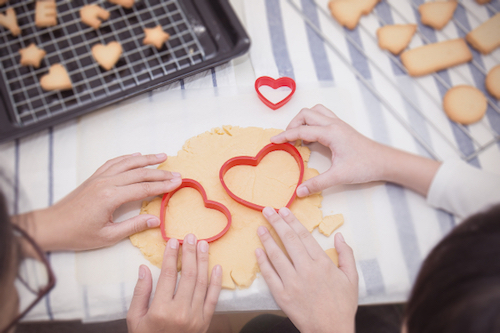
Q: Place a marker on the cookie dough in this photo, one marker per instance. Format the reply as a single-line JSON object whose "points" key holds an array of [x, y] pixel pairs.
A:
{"points": [[270, 183], [333, 254], [330, 224]]}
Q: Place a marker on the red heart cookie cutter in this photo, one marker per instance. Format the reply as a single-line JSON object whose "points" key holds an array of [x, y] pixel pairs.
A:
{"points": [[208, 204], [254, 161], [275, 84]]}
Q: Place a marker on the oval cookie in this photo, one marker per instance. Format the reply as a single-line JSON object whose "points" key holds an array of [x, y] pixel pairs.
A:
{"points": [[464, 104], [493, 82]]}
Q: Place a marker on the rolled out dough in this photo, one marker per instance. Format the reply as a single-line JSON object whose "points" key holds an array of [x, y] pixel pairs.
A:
{"points": [[271, 183]]}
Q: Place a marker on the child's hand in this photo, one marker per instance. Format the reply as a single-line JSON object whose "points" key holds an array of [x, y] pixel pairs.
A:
{"points": [[315, 294], [187, 309], [84, 218]]}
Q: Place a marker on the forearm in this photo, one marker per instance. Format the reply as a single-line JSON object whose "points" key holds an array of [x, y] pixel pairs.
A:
{"points": [[39, 226]]}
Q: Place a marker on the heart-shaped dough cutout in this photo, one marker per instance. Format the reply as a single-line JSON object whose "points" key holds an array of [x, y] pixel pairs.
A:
{"points": [[107, 55], [254, 162], [195, 219], [56, 79], [275, 84]]}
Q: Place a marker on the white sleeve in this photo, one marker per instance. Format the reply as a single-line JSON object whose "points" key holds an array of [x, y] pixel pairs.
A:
{"points": [[462, 189]]}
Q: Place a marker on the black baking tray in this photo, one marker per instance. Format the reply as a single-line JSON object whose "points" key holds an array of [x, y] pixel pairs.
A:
{"points": [[204, 34]]}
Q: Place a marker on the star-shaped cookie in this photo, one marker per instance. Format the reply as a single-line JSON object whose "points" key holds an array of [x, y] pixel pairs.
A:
{"points": [[31, 56], [155, 36]]}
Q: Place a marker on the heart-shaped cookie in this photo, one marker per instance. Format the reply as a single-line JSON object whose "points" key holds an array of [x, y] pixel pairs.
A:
{"points": [[254, 161], [56, 79], [275, 84], [208, 204], [107, 55]]}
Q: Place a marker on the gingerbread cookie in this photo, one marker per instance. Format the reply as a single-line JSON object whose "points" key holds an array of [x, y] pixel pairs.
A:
{"points": [[437, 14], [465, 104], [155, 36], [107, 55], [9, 21], [124, 3], [486, 37], [56, 79], [348, 12], [31, 56], [395, 38], [493, 82], [45, 13], [92, 15]]}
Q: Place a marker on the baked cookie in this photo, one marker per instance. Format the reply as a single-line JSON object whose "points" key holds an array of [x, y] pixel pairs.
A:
{"points": [[486, 37], [482, 2], [3, 2], [395, 38], [9, 21], [92, 15], [107, 55], [493, 82], [56, 79], [348, 12], [437, 14], [45, 13], [124, 3], [155, 36], [31, 56], [465, 104]]}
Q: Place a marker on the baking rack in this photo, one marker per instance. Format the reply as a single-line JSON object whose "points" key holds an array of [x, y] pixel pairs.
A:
{"points": [[478, 146], [191, 48]]}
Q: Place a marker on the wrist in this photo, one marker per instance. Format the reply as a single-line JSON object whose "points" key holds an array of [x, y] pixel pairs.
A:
{"points": [[39, 225]]}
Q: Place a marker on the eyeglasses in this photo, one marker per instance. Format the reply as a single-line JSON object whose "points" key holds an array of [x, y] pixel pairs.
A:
{"points": [[35, 277]]}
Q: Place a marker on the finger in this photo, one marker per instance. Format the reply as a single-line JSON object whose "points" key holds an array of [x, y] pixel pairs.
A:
{"points": [[134, 162], [200, 290], [311, 245], [282, 265], [310, 117], [118, 231], [189, 272], [144, 175], [295, 248], [111, 162], [213, 293], [268, 273], [324, 111], [347, 264], [143, 190], [168, 275], [306, 133], [140, 299], [318, 183]]}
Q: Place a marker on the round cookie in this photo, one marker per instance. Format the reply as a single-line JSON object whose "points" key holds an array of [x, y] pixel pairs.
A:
{"points": [[493, 82], [464, 104]]}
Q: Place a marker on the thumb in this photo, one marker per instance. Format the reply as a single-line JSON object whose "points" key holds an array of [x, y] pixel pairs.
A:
{"points": [[347, 263], [317, 184], [134, 225], [140, 299]]}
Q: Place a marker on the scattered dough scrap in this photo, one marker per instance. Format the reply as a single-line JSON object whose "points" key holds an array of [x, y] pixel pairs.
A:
{"points": [[395, 38], [31, 56], [45, 13], [9, 21], [92, 15], [348, 12], [56, 79], [437, 14], [486, 37], [200, 159], [434, 57], [331, 223], [465, 104], [155, 36], [333, 254], [493, 82], [107, 55], [124, 3]]}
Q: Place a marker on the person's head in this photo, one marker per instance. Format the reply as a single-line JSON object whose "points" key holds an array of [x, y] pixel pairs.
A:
{"points": [[458, 287]]}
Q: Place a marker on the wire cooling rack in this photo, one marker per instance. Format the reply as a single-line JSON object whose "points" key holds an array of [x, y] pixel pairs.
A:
{"points": [[189, 49], [480, 144]]}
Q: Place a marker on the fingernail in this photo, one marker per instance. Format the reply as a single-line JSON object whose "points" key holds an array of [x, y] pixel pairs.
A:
{"points": [[136, 154], [261, 230], [218, 270], [153, 223], [268, 211], [341, 238], [176, 180], [204, 246], [191, 239], [176, 175], [142, 272], [161, 156], [284, 211], [302, 191], [258, 252], [173, 243]]}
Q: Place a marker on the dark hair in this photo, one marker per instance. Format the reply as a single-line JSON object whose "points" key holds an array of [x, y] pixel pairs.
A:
{"points": [[6, 239], [458, 287]]}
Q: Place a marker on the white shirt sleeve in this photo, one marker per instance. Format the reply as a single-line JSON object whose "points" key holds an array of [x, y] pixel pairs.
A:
{"points": [[462, 189]]}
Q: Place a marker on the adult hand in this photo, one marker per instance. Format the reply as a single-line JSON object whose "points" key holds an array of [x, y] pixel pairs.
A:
{"points": [[84, 218], [315, 294], [191, 307]]}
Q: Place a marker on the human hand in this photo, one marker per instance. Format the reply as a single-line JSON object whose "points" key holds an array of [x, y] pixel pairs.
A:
{"points": [[191, 307], [84, 218], [315, 294]]}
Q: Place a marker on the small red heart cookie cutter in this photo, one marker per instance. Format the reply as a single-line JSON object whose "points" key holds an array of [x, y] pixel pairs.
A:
{"points": [[186, 182], [275, 84], [254, 161]]}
